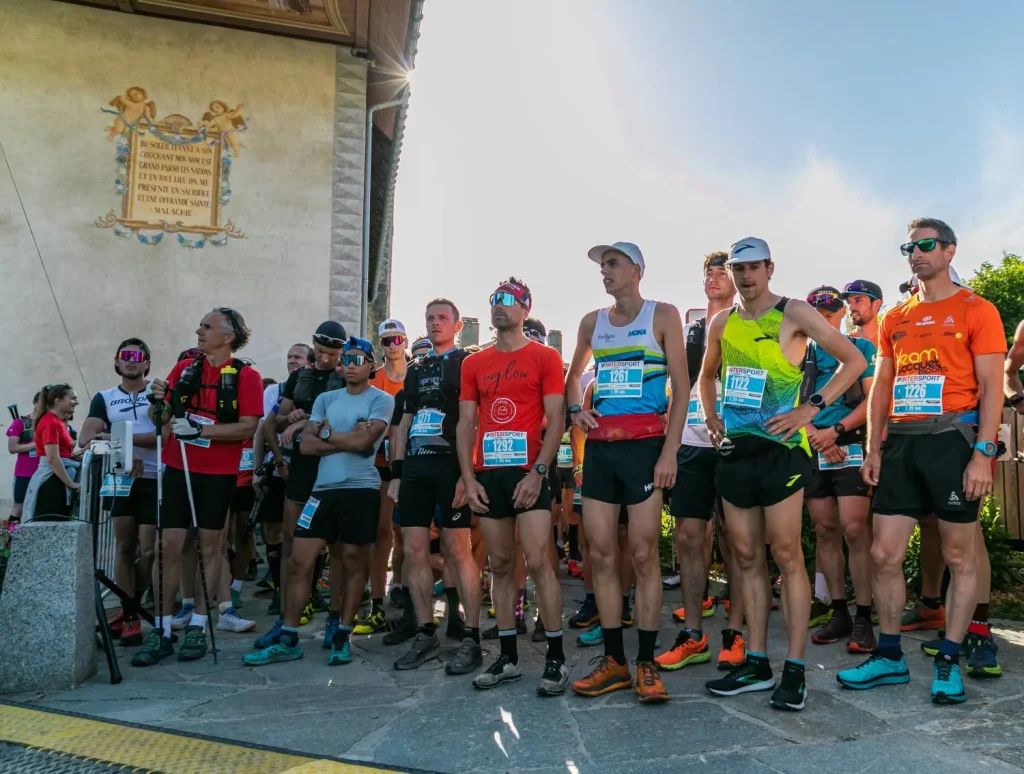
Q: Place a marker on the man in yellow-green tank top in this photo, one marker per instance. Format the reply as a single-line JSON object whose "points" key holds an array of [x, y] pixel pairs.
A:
{"points": [[765, 463]]}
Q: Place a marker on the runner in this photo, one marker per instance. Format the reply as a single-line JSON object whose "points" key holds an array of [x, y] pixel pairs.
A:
{"points": [[765, 460], [21, 441], [215, 405], [511, 410], [49, 491], [131, 500], [345, 428], [864, 300], [636, 344], [425, 440], [938, 381], [695, 501], [838, 500]]}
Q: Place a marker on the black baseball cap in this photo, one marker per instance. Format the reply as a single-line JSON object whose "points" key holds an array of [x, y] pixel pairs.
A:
{"points": [[330, 333], [863, 288], [825, 297]]}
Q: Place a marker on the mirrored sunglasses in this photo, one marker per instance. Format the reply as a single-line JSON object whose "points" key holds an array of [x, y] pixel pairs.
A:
{"points": [[327, 341], [354, 358], [924, 245], [503, 299], [131, 356], [392, 341]]}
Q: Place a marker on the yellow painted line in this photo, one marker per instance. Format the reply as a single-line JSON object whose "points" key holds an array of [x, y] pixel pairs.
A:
{"points": [[154, 750]]}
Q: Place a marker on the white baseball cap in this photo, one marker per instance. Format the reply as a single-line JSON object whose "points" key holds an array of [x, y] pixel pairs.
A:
{"points": [[749, 250], [391, 328], [628, 249]]}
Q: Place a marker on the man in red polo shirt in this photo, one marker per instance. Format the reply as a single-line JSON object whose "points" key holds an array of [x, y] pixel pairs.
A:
{"points": [[215, 403]]}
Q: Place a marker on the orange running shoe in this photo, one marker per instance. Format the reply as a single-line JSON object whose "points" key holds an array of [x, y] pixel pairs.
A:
{"points": [[609, 675], [574, 569], [649, 688], [707, 609], [733, 652], [921, 616], [686, 651]]}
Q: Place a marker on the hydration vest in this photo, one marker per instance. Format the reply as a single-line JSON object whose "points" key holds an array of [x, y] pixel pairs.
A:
{"points": [[187, 388], [305, 387], [695, 338], [28, 431], [852, 398]]}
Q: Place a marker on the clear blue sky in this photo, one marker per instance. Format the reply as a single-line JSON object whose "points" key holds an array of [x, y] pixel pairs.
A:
{"points": [[538, 129]]}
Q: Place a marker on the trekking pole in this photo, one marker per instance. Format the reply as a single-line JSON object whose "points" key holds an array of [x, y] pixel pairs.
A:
{"points": [[158, 413], [199, 548]]}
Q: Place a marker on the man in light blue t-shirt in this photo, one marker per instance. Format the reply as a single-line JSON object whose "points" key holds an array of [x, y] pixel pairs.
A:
{"points": [[345, 429]]}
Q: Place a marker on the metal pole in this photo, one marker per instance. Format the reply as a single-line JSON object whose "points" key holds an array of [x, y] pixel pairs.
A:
{"points": [[367, 169]]}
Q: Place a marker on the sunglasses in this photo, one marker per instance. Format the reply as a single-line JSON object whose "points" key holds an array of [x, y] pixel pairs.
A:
{"points": [[924, 245], [354, 358], [818, 300], [857, 288], [392, 341], [504, 299], [132, 356], [328, 341]]}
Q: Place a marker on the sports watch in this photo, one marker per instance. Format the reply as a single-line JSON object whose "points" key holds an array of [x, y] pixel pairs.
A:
{"points": [[1015, 399], [325, 434], [541, 468], [838, 427], [816, 401], [988, 448]]}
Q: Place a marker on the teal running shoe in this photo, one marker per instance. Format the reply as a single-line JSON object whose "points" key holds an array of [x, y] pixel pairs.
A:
{"points": [[340, 655], [877, 670], [236, 599], [276, 652], [270, 637], [948, 684], [981, 656], [591, 637], [332, 627]]}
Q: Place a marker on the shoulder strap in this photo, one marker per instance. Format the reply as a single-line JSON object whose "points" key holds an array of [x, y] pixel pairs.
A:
{"points": [[696, 339], [781, 306], [810, 368]]}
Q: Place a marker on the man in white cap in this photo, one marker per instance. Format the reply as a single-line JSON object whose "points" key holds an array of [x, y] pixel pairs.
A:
{"points": [[759, 345], [629, 456]]}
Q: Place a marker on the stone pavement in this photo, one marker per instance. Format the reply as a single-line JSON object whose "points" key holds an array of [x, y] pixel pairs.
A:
{"points": [[425, 720]]}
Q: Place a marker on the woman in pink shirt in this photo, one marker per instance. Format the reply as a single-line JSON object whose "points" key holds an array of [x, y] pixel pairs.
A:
{"points": [[21, 441]]}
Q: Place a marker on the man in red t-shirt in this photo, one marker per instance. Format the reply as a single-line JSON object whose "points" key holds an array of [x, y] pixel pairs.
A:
{"points": [[215, 404], [517, 391]]}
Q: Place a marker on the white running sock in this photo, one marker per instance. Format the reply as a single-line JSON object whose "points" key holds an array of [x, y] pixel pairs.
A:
{"points": [[199, 620], [236, 585], [821, 588], [188, 601], [164, 623]]}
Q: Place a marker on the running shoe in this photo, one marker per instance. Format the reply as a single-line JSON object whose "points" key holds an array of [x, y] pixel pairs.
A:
{"points": [[332, 627], [862, 640], [491, 633], [467, 658], [131, 632], [733, 652], [373, 623], [591, 637], [586, 615], [947, 684], [266, 582], [307, 613], [270, 637], [153, 651], [920, 616], [792, 690], [838, 626], [340, 654], [424, 648], [555, 679], [395, 598], [627, 617], [981, 656], [278, 651], [574, 569], [491, 613], [707, 610], [236, 599], [609, 675], [231, 621], [193, 646], [877, 670], [931, 647], [686, 651], [745, 678], [501, 671], [538, 632], [821, 613], [274, 608], [115, 624], [670, 582], [183, 618], [649, 687]]}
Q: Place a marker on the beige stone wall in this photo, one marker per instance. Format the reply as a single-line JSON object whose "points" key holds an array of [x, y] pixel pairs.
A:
{"points": [[72, 290]]}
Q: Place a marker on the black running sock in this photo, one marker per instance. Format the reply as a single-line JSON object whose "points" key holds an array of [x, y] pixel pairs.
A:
{"points": [[509, 648], [555, 651], [473, 632], [574, 541], [840, 608], [429, 629], [864, 611], [334, 615], [933, 603], [647, 640], [289, 637], [274, 563], [613, 644], [625, 604], [451, 595]]}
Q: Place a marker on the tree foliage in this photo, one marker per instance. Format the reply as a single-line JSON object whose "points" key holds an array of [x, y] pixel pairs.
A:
{"points": [[1003, 285]]}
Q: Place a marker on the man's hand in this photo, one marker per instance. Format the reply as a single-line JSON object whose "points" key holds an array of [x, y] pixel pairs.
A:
{"points": [[586, 419], [869, 470], [788, 424], [296, 415], [74, 486], [159, 390], [288, 436], [460, 496], [527, 490], [665, 470], [393, 487], [834, 454], [185, 429], [476, 495], [136, 466], [821, 439], [978, 477], [716, 430], [1019, 407]]}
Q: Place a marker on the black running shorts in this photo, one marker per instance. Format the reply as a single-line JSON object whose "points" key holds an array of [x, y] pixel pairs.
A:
{"points": [[429, 481], [620, 472], [243, 500], [272, 510], [922, 474], [500, 485], [301, 478], [843, 482], [212, 494], [140, 503], [343, 516], [693, 496], [20, 488], [763, 478]]}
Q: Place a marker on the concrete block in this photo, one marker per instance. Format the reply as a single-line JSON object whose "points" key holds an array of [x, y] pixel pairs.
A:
{"points": [[48, 609]]}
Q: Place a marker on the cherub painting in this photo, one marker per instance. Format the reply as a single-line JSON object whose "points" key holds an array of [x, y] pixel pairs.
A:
{"points": [[226, 122], [133, 105]]}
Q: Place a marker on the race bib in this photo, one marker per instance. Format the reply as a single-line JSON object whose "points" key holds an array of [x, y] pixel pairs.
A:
{"points": [[427, 422], [203, 443], [695, 412], [577, 497], [387, 450], [564, 455], [116, 486], [504, 448], [247, 461], [306, 517], [620, 379], [854, 458], [32, 452], [744, 387], [917, 395]]}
